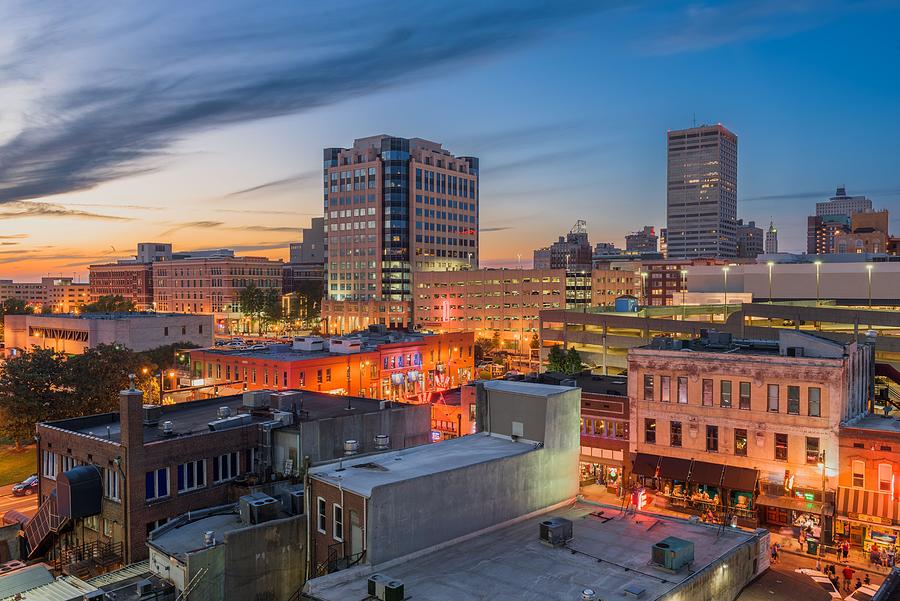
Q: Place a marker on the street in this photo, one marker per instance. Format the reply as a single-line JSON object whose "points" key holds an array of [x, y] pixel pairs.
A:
{"points": [[27, 504]]}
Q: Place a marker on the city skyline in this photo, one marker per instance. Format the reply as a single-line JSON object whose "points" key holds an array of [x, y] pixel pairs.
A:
{"points": [[169, 141]]}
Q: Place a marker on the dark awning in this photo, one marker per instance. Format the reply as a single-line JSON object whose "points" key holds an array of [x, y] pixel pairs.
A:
{"points": [[740, 478], [674, 468], [797, 504], [706, 473], [645, 465]]}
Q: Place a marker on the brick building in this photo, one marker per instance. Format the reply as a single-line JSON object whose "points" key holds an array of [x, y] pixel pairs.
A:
{"points": [[131, 280], [60, 294]]}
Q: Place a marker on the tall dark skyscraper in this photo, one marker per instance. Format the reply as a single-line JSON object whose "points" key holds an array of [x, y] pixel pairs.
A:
{"points": [[701, 193]]}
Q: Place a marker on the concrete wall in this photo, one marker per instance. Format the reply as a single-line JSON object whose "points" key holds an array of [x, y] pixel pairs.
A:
{"points": [[422, 512], [723, 579], [9, 542], [265, 562]]}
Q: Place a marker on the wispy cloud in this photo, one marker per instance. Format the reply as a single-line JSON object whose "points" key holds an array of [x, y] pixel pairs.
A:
{"points": [[21, 209], [162, 74], [13, 236], [280, 184], [210, 225], [197, 225], [486, 230]]}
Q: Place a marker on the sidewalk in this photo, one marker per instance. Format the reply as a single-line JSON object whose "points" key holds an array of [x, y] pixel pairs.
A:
{"points": [[858, 559]]}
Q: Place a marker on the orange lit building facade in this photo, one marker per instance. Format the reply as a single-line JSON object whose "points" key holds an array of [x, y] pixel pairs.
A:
{"points": [[131, 280], [406, 369]]}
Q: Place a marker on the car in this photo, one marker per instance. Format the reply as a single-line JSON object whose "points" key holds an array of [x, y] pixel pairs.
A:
{"points": [[822, 580], [257, 347], [864, 593], [28, 486]]}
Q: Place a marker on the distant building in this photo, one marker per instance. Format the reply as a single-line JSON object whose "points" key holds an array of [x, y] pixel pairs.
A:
{"points": [[701, 193], [842, 204], [296, 275], [73, 333], [59, 294], [150, 252], [642, 241], [664, 279], [821, 232], [133, 281], [771, 239], [749, 240], [572, 252], [606, 249], [311, 248], [868, 234], [664, 242]]}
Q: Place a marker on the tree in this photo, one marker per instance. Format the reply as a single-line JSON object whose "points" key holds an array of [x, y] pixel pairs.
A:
{"points": [[98, 375], [15, 306], [109, 304], [535, 342], [162, 357], [556, 360], [310, 293], [33, 388], [252, 301], [272, 310], [573, 361]]}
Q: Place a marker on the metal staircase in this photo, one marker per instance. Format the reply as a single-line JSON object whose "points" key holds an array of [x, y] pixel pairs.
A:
{"points": [[39, 530]]}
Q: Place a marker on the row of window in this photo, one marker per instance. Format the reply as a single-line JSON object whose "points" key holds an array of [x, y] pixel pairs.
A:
{"points": [[726, 396], [337, 519], [191, 475], [52, 464]]}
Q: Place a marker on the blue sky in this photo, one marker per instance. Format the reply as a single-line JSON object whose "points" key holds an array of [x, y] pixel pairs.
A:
{"points": [[203, 124]]}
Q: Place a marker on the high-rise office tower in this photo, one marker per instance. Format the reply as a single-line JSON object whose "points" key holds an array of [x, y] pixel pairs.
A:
{"points": [[394, 206], [701, 192], [842, 204], [771, 239]]}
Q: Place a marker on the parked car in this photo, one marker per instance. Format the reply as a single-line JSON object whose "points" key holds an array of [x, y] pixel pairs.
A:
{"points": [[822, 580], [28, 486], [864, 593]]}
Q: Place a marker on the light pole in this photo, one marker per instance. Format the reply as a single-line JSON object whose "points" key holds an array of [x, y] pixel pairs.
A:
{"points": [[644, 286], [869, 268], [684, 273], [818, 265], [771, 264], [725, 309], [822, 510]]}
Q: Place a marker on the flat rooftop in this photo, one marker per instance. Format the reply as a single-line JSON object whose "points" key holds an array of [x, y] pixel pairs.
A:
{"points": [[526, 388], [193, 417], [592, 383], [362, 474], [114, 316], [875, 423], [605, 555], [189, 537], [369, 341]]}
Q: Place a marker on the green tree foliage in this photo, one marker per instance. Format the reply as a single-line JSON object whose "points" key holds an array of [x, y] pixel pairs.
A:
{"points": [[573, 361], [15, 306], [252, 300], [566, 362], [109, 304], [535, 342], [164, 357], [33, 388], [272, 311], [97, 375]]}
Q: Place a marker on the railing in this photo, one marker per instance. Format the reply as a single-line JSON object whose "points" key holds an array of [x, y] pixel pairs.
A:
{"points": [[45, 522], [336, 560], [87, 557]]}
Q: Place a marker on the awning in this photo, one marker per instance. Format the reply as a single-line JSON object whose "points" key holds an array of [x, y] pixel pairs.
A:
{"points": [[794, 504], [740, 478], [867, 503], [674, 468], [703, 472], [645, 465]]}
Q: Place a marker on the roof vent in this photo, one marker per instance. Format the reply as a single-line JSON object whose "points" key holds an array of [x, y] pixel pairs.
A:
{"points": [[556, 532], [152, 413], [351, 447], [168, 428], [223, 412], [382, 442], [672, 554], [588, 594], [209, 538]]}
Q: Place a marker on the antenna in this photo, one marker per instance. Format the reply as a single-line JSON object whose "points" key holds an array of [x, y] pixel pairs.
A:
{"points": [[694, 120]]}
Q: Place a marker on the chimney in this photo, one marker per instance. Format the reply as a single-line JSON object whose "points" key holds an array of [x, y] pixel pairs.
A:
{"points": [[131, 418]]}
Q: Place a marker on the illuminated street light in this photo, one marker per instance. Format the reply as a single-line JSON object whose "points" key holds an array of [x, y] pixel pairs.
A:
{"points": [[770, 264], [869, 268], [818, 265], [725, 310]]}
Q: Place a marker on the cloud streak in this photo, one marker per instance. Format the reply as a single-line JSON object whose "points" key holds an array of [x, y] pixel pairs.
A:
{"points": [[173, 74], [23, 209]]}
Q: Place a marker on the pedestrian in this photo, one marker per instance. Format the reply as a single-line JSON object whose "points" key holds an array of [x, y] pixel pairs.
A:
{"points": [[845, 549], [833, 571], [891, 556], [858, 584], [848, 577], [774, 552], [867, 581]]}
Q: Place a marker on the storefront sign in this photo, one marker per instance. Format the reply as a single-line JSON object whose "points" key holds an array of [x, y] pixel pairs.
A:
{"points": [[871, 519]]}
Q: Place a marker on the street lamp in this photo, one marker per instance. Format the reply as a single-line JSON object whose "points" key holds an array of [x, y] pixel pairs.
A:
{"points": [[684, 273], [869, 268], [725, 310], [771, 264], [818, 265], [822, 511], [644, 286]]}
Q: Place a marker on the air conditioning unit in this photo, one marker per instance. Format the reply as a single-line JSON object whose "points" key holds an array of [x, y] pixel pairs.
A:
{"points": [[296, 502], [144, 587], [556, 532], [257, 398], [223, 412], [97, 595], [672, 553], [393, 591], [167, 428], [385, 588], [257, 508], [284, 417], [795, 351], [152, 414], [235, 421], [287, 400]]}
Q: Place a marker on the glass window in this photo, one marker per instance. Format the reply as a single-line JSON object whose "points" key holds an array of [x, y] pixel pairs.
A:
{"points": [[682, 389], [320, 515], [793, 393], [675, 434], [665, 388], [712, 438], [740, 442], [111, 484], [648, 388], [337, 530], [781, 447], [707, 398], [859, 474], [885, 477], [650, 431], [744, 396], [773, 398], [157, 484], [814, 395], [191, 475], [725, 393], [225, 467], [812, 450]]}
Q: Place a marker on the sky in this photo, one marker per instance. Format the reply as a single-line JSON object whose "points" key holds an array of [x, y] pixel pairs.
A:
{"points": [[203, 123]]}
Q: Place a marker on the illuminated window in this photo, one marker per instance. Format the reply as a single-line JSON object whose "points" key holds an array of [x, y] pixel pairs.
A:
{"points": [[885, 477], [859, 474]]}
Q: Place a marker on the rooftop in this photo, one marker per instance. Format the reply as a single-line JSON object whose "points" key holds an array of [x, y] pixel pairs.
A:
{"points": [[526, 388], [591, 383], [607, 553], [875, 423], [193, 417], [362, 474], [113, 316], [187, 534], [790, 343]]}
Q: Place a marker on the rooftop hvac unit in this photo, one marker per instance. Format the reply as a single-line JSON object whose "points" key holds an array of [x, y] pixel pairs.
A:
{"points": [[286, 418], [287, 400], [672, 553], [257, 508], [385, 588], [351, 447], [152, 414], [223, 412], [235, 421], [795, 351], [167, 428], [346, 346], [382, 442], [145, 587], [257, 398], [296, 502], [308, 343], [556, 532]]}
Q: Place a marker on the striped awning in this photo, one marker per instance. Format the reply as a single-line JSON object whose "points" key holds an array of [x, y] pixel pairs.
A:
{"points": [[855, 502]]}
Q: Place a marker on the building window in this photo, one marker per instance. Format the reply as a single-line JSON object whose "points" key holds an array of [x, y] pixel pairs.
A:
{"points": [[225, 467], [773, 398], [320, 515], [675, 434], [191, 475], [793, 393], [707, 398], [814, 395], [665, 388], [682, 389], [812, 450], [781, 447], [744, 396], [650, 431], [337, 525], [885, 477], [111, 484], [157, 484], [725, 393], [648, 388], [859, 474], [48, 464], [740, 442], [712, 439]]}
